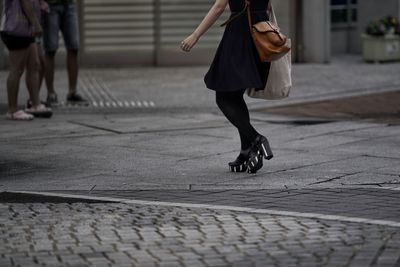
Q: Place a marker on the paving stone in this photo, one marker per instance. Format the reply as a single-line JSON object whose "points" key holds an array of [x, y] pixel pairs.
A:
{"points": [[6, 262], [208, 237]]}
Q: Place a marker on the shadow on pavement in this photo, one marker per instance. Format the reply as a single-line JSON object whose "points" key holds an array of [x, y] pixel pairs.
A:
{"points": [[380, 107]]}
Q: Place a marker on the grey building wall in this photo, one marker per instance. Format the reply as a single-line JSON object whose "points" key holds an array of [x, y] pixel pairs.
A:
{"points": [[348, 40], [147, 32]]}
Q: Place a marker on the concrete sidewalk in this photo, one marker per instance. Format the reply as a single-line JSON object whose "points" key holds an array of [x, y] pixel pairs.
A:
{"points": [[184, 87], [171, 135], [182, 150], [154, 144]]}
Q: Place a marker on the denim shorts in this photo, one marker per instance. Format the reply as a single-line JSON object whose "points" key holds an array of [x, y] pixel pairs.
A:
{"points": [[62, 18]]}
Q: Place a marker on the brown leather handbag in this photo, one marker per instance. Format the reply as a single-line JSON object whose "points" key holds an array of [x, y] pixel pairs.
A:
{"points": [[271, 44]]}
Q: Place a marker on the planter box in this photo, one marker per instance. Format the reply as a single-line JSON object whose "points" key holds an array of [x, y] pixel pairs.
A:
{"points": [[379, 49]]}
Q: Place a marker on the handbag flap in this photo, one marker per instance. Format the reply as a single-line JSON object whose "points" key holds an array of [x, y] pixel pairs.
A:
{"points": [[265, 26]]}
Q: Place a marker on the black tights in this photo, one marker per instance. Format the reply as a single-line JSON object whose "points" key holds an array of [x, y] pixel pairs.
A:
{"points": [[235, 110]]}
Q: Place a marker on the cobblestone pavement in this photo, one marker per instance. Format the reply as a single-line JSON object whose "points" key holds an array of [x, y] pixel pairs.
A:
{"points": [[83, 234]]}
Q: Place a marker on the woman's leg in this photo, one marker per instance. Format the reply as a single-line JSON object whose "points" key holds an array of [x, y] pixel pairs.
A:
{"points": [[18, 60], [32, 74], [234, 108], [41, 61]]}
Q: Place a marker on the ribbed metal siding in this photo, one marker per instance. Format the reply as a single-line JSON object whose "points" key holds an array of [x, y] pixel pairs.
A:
{"points": [[180, 17], [118, 25], [145, 31]]}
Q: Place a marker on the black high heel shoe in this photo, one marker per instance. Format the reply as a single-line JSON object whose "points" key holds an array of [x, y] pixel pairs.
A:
{"points": [[260, 149], [240, 164]]}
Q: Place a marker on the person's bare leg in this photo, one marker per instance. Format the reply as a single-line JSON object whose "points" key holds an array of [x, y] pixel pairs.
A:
{"points": [[18, 59], [41, 61], [49, 71], [73, 69], [32, 74]]}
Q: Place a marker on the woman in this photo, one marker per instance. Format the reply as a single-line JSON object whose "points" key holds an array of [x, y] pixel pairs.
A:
{"points": [[23, 54], [235, 68]]}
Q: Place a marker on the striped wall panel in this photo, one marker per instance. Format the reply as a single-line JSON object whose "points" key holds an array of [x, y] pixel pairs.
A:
{"points": [[118, 25], [180, 17], [130, 24]]}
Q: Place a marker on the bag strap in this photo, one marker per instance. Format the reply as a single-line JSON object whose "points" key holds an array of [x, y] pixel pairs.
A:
{"points": [[247, 8], [272, 15], [246, 5]]}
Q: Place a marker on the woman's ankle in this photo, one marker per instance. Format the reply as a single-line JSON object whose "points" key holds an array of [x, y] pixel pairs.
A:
{"points": [[12, 110], [245, 151]]}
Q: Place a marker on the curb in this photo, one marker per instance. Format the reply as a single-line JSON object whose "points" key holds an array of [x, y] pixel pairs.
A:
{"points": [[213, 207]]}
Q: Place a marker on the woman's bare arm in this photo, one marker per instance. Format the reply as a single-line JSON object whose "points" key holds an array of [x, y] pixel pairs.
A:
{"points": [[211, 17], [30, 14]]}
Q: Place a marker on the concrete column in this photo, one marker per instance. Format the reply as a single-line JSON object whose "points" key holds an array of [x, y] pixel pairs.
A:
{"points": [[316, 31], [285, 11]]}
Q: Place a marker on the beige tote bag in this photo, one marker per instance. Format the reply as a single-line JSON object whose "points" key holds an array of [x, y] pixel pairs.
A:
{"points": [[280, 76]]}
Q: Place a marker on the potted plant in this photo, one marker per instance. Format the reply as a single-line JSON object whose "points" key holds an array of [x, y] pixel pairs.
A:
{"points": [[381, 41]]}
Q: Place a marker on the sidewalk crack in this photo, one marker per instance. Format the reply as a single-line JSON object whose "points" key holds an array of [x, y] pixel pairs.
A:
{"points": [[334, 178], [95, 127]]}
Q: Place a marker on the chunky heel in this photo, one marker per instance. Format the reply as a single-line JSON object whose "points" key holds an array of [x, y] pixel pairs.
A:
{"points": [[266, 149]]}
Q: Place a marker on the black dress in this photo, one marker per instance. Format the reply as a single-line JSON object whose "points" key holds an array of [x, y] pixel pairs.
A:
{"points": [[236, 65]]}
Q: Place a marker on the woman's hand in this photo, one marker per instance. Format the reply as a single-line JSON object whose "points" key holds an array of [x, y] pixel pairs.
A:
{"points": [[212, 15], [44, 7], [189, 42], [37, 30]]}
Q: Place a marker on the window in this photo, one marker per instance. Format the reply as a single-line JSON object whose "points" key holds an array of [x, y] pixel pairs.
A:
{"points": [[344, 12]]}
